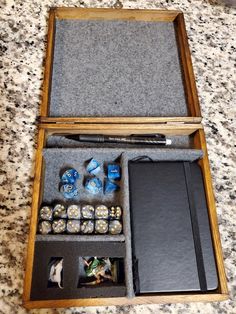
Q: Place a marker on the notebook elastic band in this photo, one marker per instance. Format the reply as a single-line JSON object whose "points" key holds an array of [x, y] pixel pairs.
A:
{"points": [[195, 228]]}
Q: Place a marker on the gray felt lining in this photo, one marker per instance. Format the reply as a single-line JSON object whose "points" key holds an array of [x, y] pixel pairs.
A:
{"points": [[80, 238], [116, 68], [57, 159]]}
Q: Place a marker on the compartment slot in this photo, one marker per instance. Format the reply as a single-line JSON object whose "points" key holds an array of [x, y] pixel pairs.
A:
{"points": [[116, 272], [71, 252], [58, 159], [60, 141], [55, 272]]}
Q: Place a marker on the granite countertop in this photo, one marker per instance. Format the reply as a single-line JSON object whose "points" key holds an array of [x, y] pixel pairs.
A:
{"points": [[211, 28]]}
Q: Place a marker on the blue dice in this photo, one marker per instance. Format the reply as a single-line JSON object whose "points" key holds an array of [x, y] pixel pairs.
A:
{"points": [[93, 185], [93, 167], [70, 176], [110, 187], [68, 181], [113, 172], [69, 191]]}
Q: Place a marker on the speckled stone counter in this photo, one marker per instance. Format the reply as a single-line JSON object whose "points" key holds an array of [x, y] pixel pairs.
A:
{"points": [[211, 28]]}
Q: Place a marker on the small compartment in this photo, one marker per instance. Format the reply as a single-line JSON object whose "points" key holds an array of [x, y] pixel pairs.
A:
{"points": [[57, 160], [71, 252], [60, 141], [109, 226], [55, 272], [100, 271]]}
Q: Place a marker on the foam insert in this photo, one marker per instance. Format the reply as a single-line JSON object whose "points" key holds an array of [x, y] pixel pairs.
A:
{"points": [[116, 68], [70, 252]]}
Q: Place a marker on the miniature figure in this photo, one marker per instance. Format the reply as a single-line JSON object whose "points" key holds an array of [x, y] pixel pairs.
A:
{"points": [[98, 268], [56, 272]]}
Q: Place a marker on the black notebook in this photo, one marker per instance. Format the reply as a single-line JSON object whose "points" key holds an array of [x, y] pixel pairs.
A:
{"points": [[171, 239]]}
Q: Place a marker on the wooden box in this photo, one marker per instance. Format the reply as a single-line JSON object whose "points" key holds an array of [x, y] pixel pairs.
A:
{"points": [[116, 118]]}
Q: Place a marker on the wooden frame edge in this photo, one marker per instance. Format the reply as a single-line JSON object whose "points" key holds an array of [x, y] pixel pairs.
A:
{"points": [[34, 216], [125, 301], [48, 64], [121, 120], [187, 66], [113, 14], [135, 128]]}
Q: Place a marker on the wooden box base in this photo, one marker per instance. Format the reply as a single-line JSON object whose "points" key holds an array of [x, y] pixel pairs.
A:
{"points": [[198, 139]]}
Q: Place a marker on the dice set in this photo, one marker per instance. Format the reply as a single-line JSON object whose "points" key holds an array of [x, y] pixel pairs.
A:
{"points": [[75, 219], [93, 185], [68, 183]]}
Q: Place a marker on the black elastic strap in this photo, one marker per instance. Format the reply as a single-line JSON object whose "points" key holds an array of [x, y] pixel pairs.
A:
{"points": [[142, 158], [195, 228], [136, 276]]}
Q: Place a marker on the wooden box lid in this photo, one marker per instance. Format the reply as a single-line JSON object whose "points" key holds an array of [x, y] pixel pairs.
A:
{"points": [[118, 66]]}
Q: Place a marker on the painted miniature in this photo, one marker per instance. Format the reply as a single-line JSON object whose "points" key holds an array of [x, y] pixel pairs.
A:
{"points": [[98, 268], [55, 274]]}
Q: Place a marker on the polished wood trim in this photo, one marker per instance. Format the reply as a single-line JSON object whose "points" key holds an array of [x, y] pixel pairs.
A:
{"points": [[187, 67], [138, 128], [48, 64], [121, 120], [34, 214], [179, 298], [200, 142], [116, 14]]}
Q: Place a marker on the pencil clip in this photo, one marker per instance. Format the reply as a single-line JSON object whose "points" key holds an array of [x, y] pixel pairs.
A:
{"points": [[154, 135]]}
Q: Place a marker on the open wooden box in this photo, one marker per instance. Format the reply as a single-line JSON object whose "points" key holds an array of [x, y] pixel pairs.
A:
{"points": [[66, 109]]}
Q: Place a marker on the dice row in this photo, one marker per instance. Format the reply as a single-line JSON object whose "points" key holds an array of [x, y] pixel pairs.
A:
{"points": [[73, 226], [49, 213]]}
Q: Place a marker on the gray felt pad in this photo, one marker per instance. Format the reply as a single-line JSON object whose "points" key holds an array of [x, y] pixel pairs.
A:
{"points": [[116, 68]]}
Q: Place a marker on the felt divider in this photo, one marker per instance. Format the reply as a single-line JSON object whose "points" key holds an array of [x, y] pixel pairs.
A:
{"points": [[70, 252], [56, 158], [80, 238], [116, 68]]}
